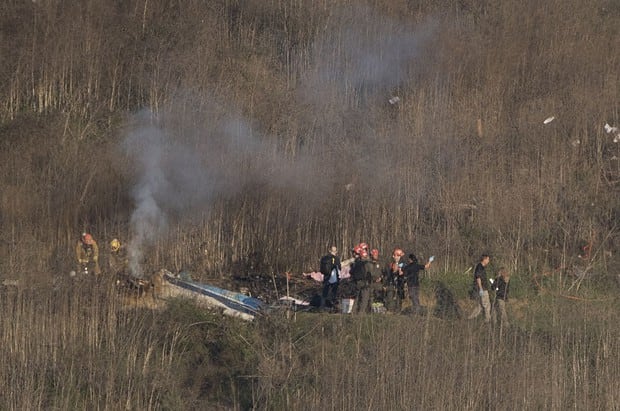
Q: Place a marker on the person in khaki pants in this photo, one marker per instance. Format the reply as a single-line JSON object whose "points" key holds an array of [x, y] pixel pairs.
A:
{"points": [[481, 283]]}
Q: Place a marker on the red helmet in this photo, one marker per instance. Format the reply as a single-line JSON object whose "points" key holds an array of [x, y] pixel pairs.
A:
{"points": [[374, 252], [398, 252], [364, 254], [357, 250]]}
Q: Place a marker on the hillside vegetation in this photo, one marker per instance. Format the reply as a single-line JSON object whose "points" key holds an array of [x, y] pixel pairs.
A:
{"points": [[266, 111], [243, 138]]}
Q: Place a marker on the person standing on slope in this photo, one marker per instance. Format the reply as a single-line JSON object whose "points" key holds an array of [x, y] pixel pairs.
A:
{"points": [[87, 254], [376, 275], [330, 268], [412, 274], [394, 282], [361, 277], [501, 285], [481, 285]]}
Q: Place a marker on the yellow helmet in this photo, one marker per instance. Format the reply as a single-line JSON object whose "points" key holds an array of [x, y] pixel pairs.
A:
{"points": [[115, 245]]}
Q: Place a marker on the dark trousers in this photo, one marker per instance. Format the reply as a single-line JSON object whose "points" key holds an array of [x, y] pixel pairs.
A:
{"points": [[414, 294], [362, 300], [330, 293], [392, 299]]}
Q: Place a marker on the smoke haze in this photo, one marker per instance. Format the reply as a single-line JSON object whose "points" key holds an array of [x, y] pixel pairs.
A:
{"points": [[179, 169], [202, 148]]}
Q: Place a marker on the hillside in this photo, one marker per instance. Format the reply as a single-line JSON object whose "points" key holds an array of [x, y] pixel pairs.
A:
{"points": [[264, 131], [237, 140]]}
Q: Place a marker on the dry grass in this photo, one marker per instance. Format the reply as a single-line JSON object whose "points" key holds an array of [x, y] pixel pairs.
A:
{"points": [[73, 347], [394, 362], [77, 347], [462, 165]]}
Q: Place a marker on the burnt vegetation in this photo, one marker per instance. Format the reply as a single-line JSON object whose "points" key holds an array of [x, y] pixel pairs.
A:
{"points": [[261, 132]]}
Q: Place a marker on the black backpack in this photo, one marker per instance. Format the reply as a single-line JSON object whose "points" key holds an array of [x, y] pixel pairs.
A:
{"points": [[327, 264], [358, 271]]}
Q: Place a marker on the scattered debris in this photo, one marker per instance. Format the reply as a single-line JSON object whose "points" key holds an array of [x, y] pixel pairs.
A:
{"points": [[10, 283], [394, 100], [169, 285], [609, 129], [575, 142], [613, 130], [379, 308], [549, 120], [294, 301], [315, 275], [346, 305]]}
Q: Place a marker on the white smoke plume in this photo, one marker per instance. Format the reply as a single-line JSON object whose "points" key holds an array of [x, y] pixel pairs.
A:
{"points": [[200, 148], [169, 177], [182, 165]]}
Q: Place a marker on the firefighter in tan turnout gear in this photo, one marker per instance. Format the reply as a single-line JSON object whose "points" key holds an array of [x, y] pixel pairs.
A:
{"points": [[87, 254], [118, 258]]}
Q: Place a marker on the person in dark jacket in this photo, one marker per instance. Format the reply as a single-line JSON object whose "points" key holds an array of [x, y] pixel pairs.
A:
{"points": [[501, 285], [376, 276], [330, 268], [412, 274], [481, 285], [394, 282], [362, 277]]}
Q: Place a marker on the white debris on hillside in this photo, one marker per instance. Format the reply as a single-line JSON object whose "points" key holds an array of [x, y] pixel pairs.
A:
{"points": [[613, 130]]}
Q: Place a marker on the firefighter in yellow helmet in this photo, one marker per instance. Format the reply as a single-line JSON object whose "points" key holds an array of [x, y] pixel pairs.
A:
{"points": [[118, 258], [87, 253]]}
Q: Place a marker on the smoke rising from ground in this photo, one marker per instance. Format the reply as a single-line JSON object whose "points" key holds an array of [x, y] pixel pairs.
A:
{"points": [[202, 149], [169, 178], [181, 169]]}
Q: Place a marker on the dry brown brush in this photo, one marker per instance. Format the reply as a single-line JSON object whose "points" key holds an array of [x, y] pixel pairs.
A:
{"points": [[277, 138]]}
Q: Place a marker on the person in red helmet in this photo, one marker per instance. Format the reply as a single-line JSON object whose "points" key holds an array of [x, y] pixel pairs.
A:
{"points": [[357, 250], [87, 254]]}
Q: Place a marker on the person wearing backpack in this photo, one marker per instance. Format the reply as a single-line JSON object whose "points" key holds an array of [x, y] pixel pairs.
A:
{"points": [[330, 268]]}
